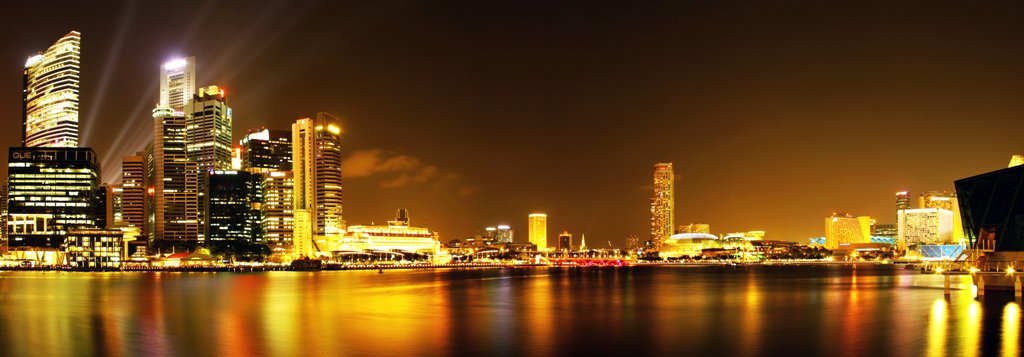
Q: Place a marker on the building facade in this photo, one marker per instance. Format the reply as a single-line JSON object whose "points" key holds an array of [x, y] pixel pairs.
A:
{"points": [[232, 204], [662, 204], [50, 191], [316, 169], [924, 226], [175, 182], [50, 96], [538, 230], [844, 229], [177, 84], [564, 241], [94, 248], [208, 129], [276, 212], [266, 150], [134, 194]]}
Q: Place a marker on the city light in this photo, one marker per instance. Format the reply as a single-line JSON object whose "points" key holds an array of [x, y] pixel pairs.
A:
{"points": [[175, 63]]}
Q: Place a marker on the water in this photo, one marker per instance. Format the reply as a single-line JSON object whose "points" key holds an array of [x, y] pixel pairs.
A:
{"points": [[836, 311]]}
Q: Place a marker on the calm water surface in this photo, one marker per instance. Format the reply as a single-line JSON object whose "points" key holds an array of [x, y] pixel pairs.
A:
{"points": [[834, 311]]}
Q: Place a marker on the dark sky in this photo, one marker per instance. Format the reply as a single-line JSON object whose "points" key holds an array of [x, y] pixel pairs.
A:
{"points": [[476, 113]]}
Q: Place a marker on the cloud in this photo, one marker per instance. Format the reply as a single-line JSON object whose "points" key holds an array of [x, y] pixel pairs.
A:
{"points": [[396, 170]]}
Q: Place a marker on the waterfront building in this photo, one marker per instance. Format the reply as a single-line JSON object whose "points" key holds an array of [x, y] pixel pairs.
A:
{"points": [[699, 244], [662, 203], [398, 235], [695, 228], [564, 241], [134, 197], [538, 230], [208, 129], [947, 201], [884, 230], [750, 235], [232, 204], [924, 226], [50, 96], [3, 217], [175, 181], [503, 234], [276, 212], [177, 84], [94, 248], [845, 229], [316, 169], [50, 191], [266, 150]]}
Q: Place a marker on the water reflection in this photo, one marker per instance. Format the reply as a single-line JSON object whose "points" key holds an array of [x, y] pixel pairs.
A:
{"points": [[628, 311]]}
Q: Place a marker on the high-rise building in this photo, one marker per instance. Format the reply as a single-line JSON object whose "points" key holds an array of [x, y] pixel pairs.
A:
{"points": [[503, 234], [134, 197], [115, 207], [695, 228], [564, 241], [662, 204], [175, 181], [924, 226], [276, 211], [902, 200], [538, 230], [50, 191], [50, 103], [843, 229], [316, 166], [266, 150], [208, 129], [102, 206], [177, 84], [232, 204]]}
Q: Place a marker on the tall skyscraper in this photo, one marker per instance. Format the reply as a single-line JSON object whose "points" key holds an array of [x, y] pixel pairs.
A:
{"points": [[276, 211], [232, 205], [538, 230], [902, 200], [133, 192], [177, 84], [663, 204], [565, 241], [316, 163], [50, 106], [503, 234], [50, 191], [843, 229], [208, 129], [175, 182], [266, 150]]}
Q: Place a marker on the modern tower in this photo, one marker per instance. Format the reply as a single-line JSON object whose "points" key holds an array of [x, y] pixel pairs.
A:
{"points": [[208, 129], [316, 168], [133, 192], [177, 84], [565, 241], [538, 230], [662, 204], [175, 181], [232, 205], [902, 200], [844, 229], [50, 192], [266, 150], [50, 106], [276, 211]]}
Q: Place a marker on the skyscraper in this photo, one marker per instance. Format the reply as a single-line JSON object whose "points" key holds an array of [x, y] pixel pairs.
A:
{"points": [[902, 200], [177, 84], [232, 205], [208, 129], [50, 106], [316, 166], [565, 241], [133, 192], [663, 204], [924, 226], [538, 230], [50, 191], [175, 182], [276, 211], [266, 150], [844, 229]]}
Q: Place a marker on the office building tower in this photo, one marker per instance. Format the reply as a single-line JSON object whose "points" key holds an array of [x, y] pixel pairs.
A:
{"points": [[662, 204], [177, 84], [232, 204], [902, 200], [884, 230], [564, 241], [208, 129], [316, 168], [276, 211], [924, 226], [134, 196], [115, 207], [102, 206], [3, 217], [266, 150], [538, 230], [50, 96], [175, 181], [844, 229], [50, 191], [503, 234]]}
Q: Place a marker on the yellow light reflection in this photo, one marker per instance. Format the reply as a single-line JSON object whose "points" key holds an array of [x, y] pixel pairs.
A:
{"points": [[937, 329], [970, 330], [1011, 329]]}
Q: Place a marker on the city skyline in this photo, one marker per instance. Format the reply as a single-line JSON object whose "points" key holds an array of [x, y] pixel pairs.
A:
{"points": [[459, 161]]}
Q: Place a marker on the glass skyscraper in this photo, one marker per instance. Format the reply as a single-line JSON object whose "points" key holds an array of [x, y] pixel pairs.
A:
{"points": [[50, 105]]}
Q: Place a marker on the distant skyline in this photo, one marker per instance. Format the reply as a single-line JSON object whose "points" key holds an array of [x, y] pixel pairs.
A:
{"points": [[472, 114]]}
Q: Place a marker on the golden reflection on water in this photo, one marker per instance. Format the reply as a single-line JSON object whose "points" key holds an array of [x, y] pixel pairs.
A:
{"points": [[1011, 329], [937, 329]]}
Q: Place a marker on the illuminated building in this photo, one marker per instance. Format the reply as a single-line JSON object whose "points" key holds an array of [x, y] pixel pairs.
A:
{"points": [[902, 200], [316, 166], [564, 241], [924, 226], [102, 206], [177, 84], [884, 230], [276, 211], [94, 248], [845, 229], [662, 204], [232, 204], [50, 102], [503, 234], [398, 235], [1016, 160], [133, 192], [266, 150], [208, 129], [175, 181], [946, 201], [695, 244], [115, 206], [538, 230], [583, 242], [3, 218], [50, 191], [695, 228], [750, 235]]}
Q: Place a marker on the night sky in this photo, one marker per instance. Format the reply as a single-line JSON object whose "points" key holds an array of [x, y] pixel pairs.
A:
{"points": [[478, 113]]}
